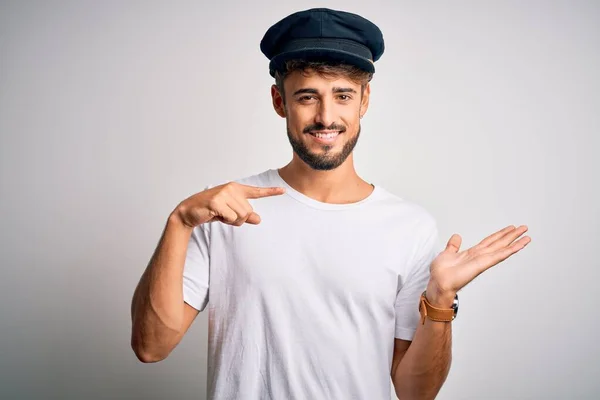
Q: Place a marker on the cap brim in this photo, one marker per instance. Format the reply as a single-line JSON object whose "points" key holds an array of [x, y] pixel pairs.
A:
{"points": [[320, 54]]}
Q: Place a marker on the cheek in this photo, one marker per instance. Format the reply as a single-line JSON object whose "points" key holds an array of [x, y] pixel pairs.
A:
{"points": [[298, 119], [348, 112], [350, 117]]}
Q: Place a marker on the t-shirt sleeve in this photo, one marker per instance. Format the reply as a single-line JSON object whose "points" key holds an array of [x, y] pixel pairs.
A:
{"points": [[407, 299], [196, 268]]}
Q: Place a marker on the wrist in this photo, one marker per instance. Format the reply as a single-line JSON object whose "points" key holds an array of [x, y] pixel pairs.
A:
{"points": [[176, 221], [439, 298]]}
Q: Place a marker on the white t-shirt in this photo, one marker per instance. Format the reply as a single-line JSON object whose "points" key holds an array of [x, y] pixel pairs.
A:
{"points": [[306, 304]]}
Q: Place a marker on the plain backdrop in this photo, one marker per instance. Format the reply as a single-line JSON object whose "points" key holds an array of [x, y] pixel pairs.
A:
{"points": [[487, 113]]}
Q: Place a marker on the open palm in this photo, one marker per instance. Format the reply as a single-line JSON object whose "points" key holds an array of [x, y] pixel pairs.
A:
{"points": [[453, 269]]}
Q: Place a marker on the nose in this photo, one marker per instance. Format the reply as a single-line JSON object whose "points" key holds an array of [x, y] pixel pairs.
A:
{"points": [[325, 114]]}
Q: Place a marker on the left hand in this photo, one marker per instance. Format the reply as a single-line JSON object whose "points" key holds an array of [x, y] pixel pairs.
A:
{"points": [[452, 270]]}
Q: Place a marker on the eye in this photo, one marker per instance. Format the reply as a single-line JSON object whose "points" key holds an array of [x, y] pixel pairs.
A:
{"points": [[306, 98], [344, 97]]}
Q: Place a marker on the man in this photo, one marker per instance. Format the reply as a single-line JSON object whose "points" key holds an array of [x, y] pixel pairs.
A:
{"points": [[318, 284]]}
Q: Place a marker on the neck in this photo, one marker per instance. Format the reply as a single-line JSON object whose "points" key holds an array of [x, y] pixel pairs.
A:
{"points": [[338, 186]]}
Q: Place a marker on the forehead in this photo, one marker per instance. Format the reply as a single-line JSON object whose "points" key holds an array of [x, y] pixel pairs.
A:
{"points": [[311, 79]]}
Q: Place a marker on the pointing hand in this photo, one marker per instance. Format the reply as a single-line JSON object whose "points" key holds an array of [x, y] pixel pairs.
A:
{"points": [[227, 203]]}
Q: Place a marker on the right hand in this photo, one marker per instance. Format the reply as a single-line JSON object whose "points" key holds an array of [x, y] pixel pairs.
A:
{"points": [[226, 203]]}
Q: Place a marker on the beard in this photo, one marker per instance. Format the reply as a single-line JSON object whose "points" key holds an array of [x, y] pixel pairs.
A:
{"points": [[327, 160]]}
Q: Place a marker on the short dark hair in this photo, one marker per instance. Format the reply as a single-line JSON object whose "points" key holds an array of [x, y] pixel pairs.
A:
{"points": [[323, 68]]}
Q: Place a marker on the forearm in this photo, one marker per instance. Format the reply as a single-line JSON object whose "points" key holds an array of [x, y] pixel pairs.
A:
{"points": [[425, 365], [157, 308]]}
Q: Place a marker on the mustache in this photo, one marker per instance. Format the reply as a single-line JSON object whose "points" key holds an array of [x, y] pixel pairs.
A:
{"points": [[321, 127]]}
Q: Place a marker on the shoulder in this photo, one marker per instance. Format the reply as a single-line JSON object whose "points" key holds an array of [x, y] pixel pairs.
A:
{"points": [[409, 213], [260, 179], [411, 223]]}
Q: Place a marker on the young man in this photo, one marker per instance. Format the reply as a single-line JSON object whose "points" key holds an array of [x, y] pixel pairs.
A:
{"points": [[318, 284]]}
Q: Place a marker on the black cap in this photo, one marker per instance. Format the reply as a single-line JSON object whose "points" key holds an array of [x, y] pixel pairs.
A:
{"points": [[321, 34]]}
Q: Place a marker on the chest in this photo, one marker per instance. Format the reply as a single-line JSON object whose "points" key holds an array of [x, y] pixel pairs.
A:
{"points": [[358, 258]]}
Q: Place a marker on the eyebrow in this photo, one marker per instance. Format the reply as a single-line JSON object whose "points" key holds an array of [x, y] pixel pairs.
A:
{"points": [[315, 91]]}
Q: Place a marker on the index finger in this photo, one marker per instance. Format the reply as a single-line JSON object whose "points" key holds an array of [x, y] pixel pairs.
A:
{"points": [[254, 192]]}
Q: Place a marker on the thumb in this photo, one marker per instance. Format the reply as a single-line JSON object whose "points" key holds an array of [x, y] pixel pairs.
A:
{"points": [[454, 243], [253, 219]]}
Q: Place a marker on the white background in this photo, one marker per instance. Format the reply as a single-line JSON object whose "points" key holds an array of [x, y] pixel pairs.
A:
{"points": [[485, 112]]}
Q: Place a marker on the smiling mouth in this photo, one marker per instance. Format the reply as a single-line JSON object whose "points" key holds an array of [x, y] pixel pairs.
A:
{"points": [[325, 135]]}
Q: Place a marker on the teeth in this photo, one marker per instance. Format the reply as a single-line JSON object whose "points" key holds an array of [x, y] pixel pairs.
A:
{"points": [[326, 135]]}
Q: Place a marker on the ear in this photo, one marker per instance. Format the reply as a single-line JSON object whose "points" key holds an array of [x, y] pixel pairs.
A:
{"points": [[277, 101], [364, 102]]}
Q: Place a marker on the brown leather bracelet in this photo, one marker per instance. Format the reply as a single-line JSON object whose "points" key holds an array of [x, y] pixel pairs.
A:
{"points": [[434, 313]]}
